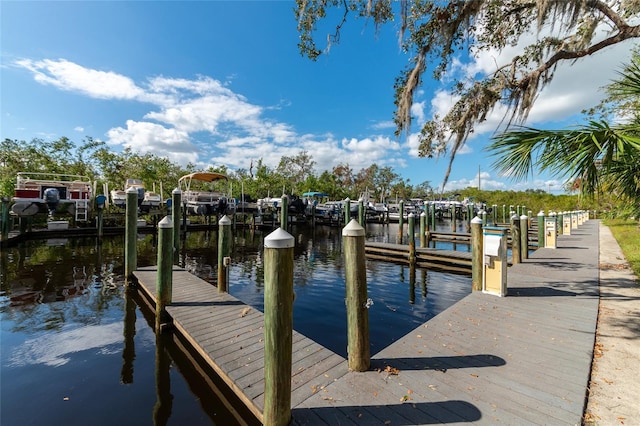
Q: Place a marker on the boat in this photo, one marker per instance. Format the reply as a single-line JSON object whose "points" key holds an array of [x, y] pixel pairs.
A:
{"points": [[147, 200], [37, 192], [204, 202]]}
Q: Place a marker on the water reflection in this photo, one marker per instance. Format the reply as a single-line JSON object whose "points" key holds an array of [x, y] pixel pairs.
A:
{"points": [[64, 311], [128, 351], [164, 401]]}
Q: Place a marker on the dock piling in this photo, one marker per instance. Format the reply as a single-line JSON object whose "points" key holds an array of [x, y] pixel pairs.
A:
{"points": [[284, 212], [524, 237], [358, 351], [176, 202], [224, 251], [515, 239], [423, 229], [278, 326], [476, 254], [165, 265], [131, 232]]}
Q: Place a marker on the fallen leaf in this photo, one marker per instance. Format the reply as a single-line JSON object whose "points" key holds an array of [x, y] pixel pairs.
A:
{"points": [[409, 391], [389, 369], [244, 312], [474, 375], [405, 398]]}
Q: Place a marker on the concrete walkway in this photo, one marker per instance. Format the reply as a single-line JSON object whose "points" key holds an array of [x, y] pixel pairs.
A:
{"points": [[521, 359], [614, 392]]}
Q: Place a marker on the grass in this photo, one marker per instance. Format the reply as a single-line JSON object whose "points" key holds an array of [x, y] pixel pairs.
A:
{"points": [[627, 233]]}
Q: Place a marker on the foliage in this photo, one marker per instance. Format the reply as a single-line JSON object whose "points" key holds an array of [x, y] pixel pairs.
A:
{"points": [[437, 33], [96, 161], [597, 156], [627, 233]]}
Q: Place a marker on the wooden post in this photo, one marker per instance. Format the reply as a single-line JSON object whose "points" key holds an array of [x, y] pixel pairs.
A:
{"points": [[504, 213], [476, 254], [401, 222], [347, 210], [423, 229], [524, 237], [359, 357], [454, 218], [541, 229], [278, 327], [515, 239], [131, 233], [361, 213], [164, 280], [412, 239], [100, 203], [176, 203], [559, 223], [284, 212], [224, 251], [313, 215], [483, 214], [495, 215]]}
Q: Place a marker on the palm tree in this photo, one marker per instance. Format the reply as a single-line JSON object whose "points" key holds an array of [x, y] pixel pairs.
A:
{"points": [[597, 156]]}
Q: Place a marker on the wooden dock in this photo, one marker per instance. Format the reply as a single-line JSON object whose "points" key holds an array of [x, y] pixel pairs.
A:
{"points": [[447, 260], [520, 359]]}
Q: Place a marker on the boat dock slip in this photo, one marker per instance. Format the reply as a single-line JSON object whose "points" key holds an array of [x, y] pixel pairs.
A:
{"points": [[521, 359], [448, 260]]}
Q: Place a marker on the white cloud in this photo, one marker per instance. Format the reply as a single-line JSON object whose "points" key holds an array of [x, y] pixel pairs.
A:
{"points": [[68, 76], [79, 129]]}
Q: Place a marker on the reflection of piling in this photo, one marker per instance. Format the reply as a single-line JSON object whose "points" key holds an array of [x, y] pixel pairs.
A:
{"points": [[412, 239], [515, 239], [176, 202], [353, 236], [164, 281], [278, 326], [128, 351], [164, 399], [224, 251], [131, 232], [476, 254], [412, 284]]}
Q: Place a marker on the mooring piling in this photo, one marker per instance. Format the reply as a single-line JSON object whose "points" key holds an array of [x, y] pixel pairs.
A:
{"points": [[131, 232], [165, 269], [224, 253], [515, 239], [476, 254], [176, 203], [278, 326], [358, 351]]}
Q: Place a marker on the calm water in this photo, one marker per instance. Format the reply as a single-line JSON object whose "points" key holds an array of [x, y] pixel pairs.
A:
{"points": [[76, 349]]}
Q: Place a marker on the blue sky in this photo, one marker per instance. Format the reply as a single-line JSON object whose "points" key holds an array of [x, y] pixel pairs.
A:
{"points": [[223, 83]]}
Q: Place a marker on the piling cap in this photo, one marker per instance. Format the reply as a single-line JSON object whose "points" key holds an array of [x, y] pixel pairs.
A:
{"points": [[541, 213], [224, 221], [524, 216], [132, 189], [279, 239], [165, 223], [411, 215], [353, 229], [476, 220], [423, 214], [176, 191]]}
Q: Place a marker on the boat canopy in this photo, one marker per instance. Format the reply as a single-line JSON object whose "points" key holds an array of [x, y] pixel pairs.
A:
{"points": [[315, 194], [203, 176]]}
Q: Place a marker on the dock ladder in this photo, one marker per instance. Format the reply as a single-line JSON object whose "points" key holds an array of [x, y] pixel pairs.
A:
{"points": [[82, 210]]}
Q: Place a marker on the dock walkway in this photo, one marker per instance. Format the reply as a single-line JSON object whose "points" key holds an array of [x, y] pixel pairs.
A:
{"points": [[521, 359]]}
